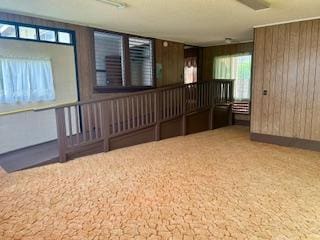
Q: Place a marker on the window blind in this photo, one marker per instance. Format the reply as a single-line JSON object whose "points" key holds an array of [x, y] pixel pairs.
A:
{"points": [[141, 66], [109, 59]]}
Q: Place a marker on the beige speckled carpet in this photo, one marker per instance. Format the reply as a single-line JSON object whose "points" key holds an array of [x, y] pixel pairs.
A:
{"points": [[212, 185]]}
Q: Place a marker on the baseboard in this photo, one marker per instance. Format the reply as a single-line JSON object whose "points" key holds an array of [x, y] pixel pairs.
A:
{"points": [[241, 122], [286, 141]]}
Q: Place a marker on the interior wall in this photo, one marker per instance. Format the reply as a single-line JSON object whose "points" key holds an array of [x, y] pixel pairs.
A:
{"points": [[84, 48], [29, 128], [171, 61], [287, 67], [63, 69]]}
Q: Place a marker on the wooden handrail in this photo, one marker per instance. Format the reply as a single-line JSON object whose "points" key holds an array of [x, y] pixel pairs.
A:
{"points": [[163, 88], [99, 120]]}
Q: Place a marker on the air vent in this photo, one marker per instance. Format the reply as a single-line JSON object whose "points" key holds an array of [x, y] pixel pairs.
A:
{"points": [[256, 4]]}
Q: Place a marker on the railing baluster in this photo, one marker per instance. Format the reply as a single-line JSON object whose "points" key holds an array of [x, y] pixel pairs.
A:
{"points": [[118, 116], [70, 126], [142, 110], [123, 115], [101, 118], [138, 111], [113, 117], [77, 124], [90, 121], [150, 108], [146, 108], [96, 126], [128, 114], [133, 113], [84, 123]]}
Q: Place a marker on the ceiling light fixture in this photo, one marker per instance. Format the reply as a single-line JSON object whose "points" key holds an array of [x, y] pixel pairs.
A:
{"points": [[228, 40], [114, 3], [256, 4]]}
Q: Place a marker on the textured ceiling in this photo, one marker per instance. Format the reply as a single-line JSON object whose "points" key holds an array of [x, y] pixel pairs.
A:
{"points": [[196, 22]]}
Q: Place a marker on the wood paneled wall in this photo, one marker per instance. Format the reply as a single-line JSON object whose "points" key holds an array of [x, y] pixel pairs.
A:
{"points": [[210, 52], [171, 57], [172, 60], [287, 66]]}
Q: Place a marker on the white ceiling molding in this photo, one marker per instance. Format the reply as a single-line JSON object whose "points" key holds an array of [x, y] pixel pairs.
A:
{"points": [[285, 22]]}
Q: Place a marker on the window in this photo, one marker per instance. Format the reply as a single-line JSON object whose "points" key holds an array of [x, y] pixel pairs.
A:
{"points": [[109, 59], [47, 35], [141, 62], [27, 32], [237, 67], [190, 70], [19, 31], [123, 61], [64, 37], [7, 30], [25, 80]]}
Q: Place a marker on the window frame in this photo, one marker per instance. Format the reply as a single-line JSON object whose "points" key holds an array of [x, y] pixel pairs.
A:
{"points": [[126, 65], [249, 53], [37, 28]]}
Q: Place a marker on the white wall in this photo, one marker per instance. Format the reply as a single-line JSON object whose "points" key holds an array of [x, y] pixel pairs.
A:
{"points": [[22, 126]]}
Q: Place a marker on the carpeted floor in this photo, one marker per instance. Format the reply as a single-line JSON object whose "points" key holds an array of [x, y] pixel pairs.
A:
{"points": [[212, 185]]}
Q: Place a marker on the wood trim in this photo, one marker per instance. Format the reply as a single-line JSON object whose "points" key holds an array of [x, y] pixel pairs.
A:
{"points": [[286, 141]]}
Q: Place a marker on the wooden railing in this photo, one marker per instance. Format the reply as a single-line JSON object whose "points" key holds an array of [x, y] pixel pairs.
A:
{"points": [[94, 121]]}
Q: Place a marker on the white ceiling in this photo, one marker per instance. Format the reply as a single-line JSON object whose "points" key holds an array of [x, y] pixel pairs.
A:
{"points": [[195, 22]]}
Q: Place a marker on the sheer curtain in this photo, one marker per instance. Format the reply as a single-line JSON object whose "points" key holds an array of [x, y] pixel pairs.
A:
{"points": [[190, 70], [237, 67], [25, 80]]}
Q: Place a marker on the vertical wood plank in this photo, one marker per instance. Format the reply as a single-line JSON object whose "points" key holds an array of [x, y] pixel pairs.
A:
{"points": [[272, 82], [266, 79], [284, 89], [278, 80], [300, 132], [302, 56], [292, 79], [315, 120], [314, 54]]}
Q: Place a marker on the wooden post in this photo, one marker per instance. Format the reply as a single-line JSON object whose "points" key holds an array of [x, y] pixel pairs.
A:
{"points": [[230, 115], [184, 112], [212, 96], [106, 125], [157, 115], [61, 133]]}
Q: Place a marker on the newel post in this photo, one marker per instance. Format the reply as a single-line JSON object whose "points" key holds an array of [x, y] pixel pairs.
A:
{"points": [[157, 115], [61, 134], [106, 110]]}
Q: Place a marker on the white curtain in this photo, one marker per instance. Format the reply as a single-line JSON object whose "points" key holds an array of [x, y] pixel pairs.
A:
{"points": [[238, 68], [25, 80], [190, 70]]}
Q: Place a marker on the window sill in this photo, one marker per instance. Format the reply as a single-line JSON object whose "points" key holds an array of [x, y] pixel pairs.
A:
{"points": [[98, 89]]}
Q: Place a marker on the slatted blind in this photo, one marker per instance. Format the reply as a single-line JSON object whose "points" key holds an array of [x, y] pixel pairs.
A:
{"points": [[241, 107], [140, 51], [109, 59]]}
